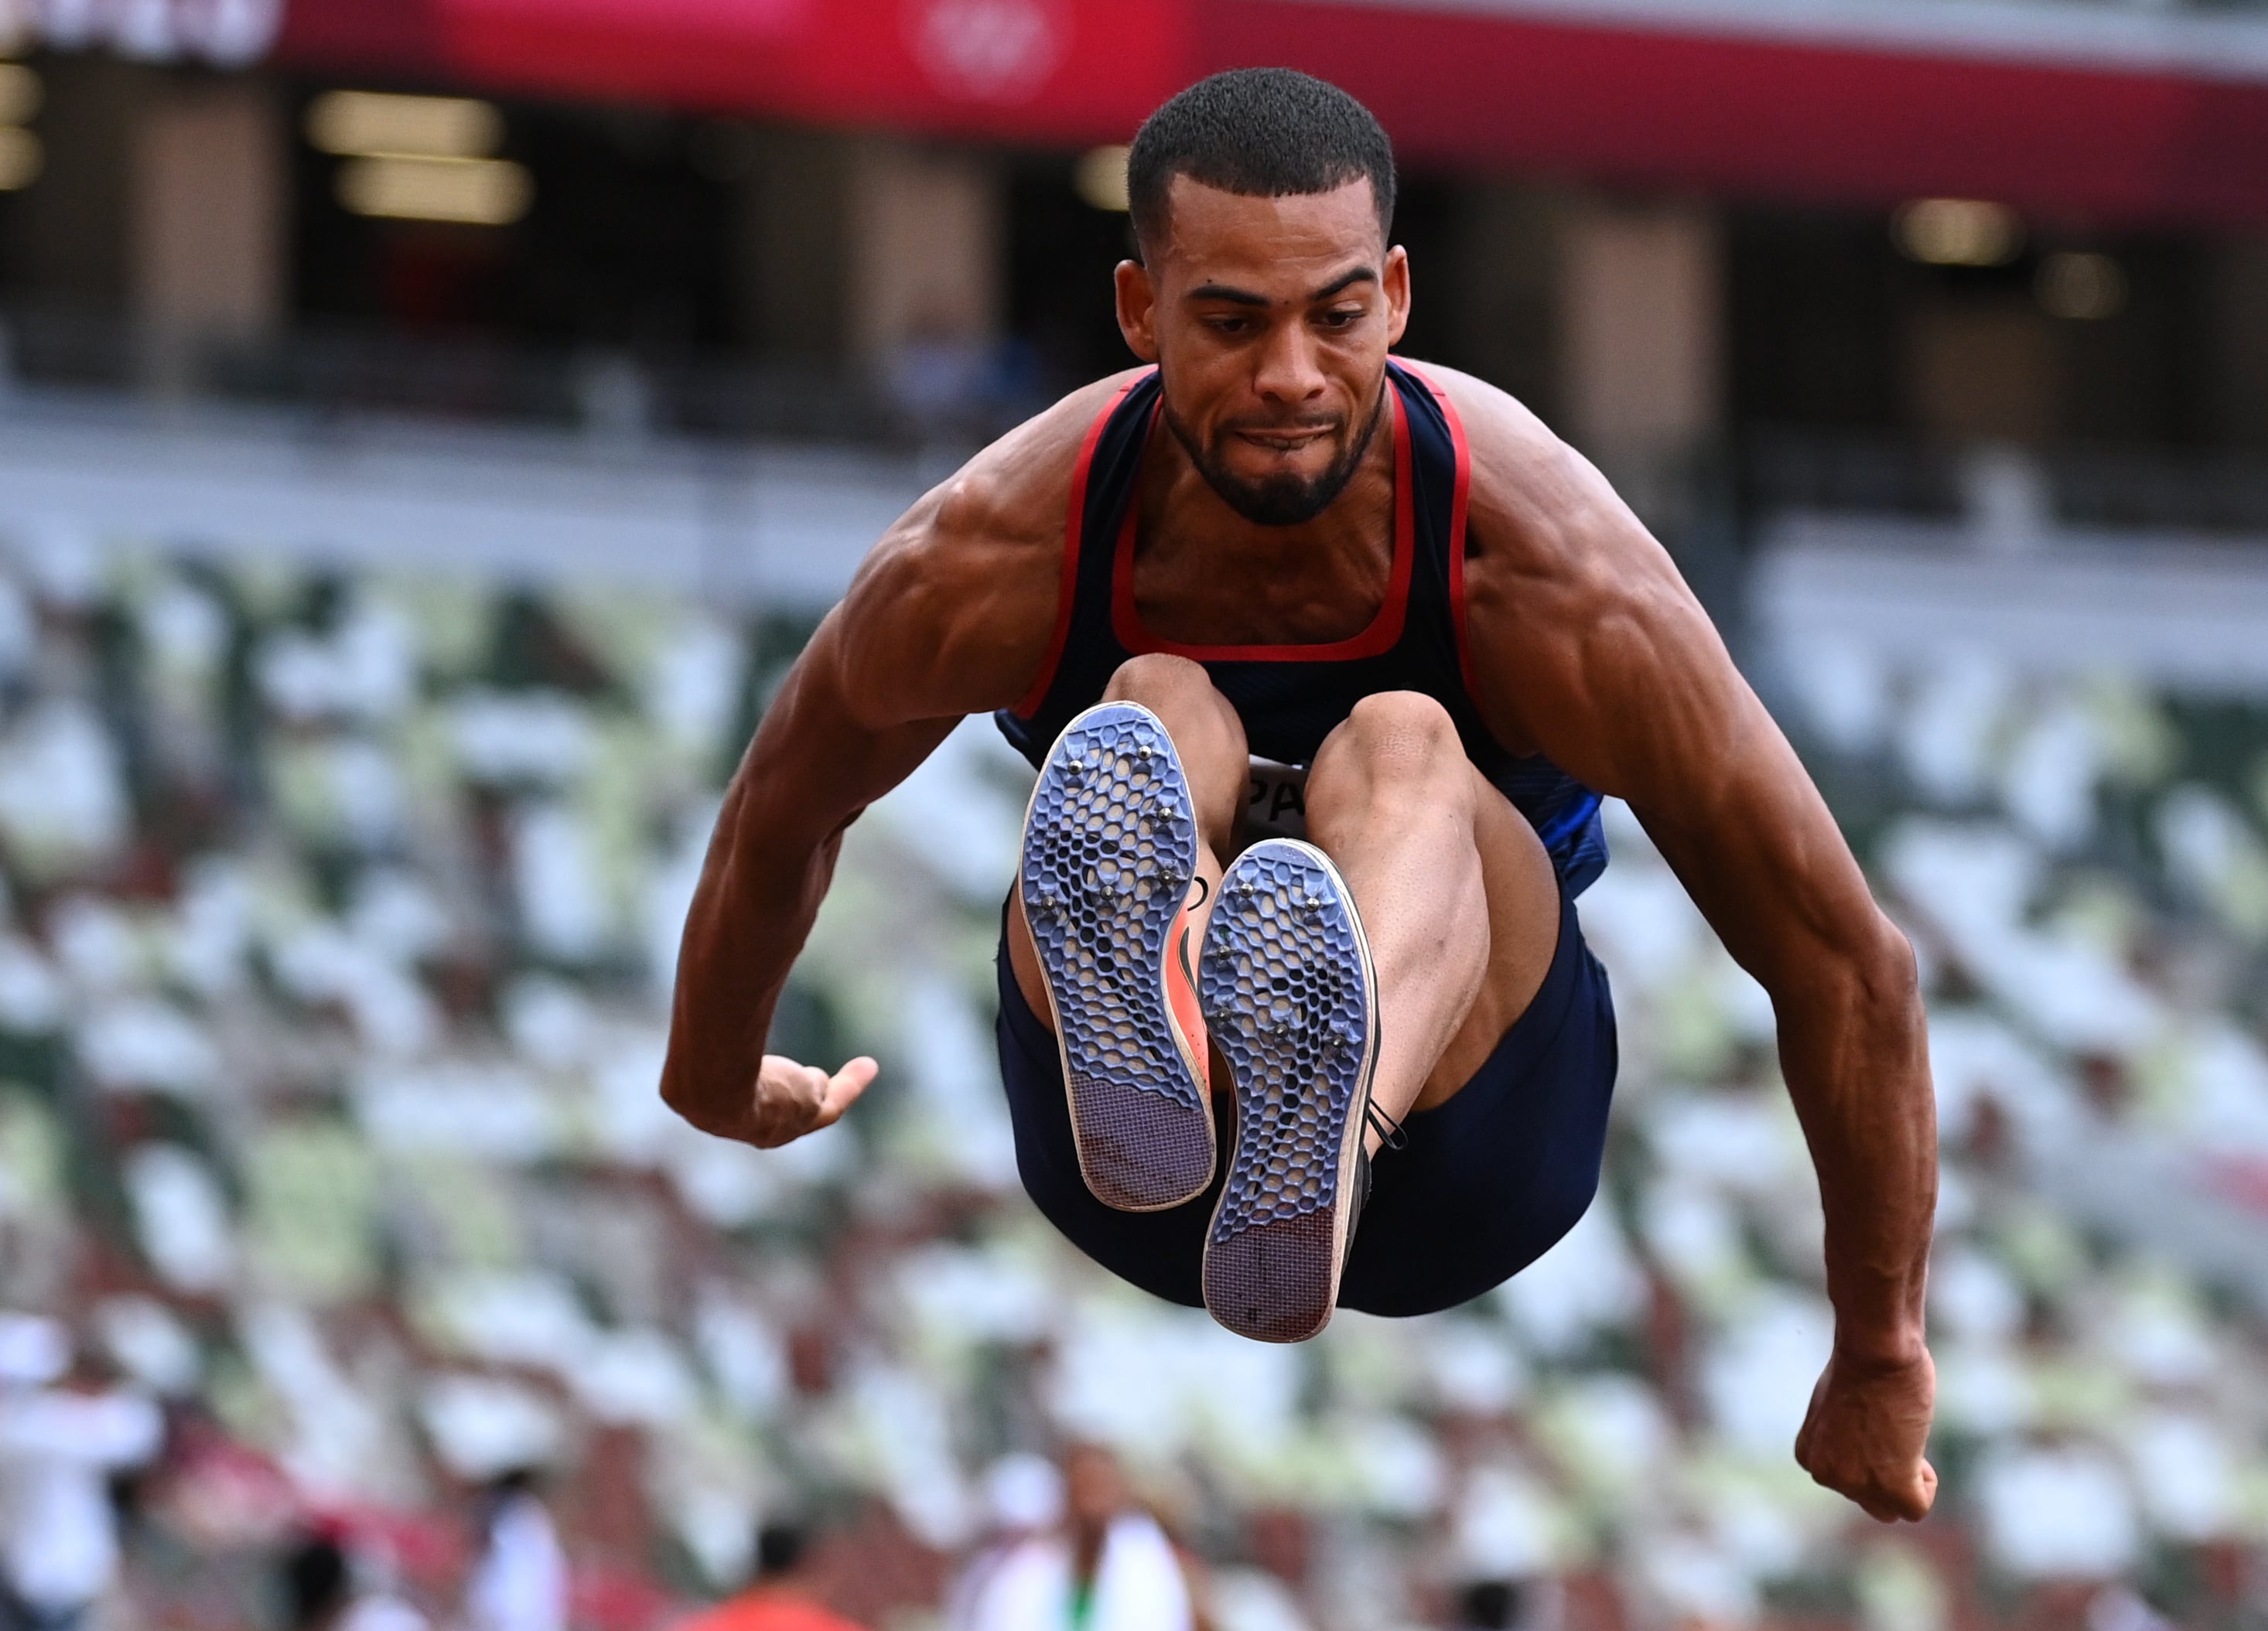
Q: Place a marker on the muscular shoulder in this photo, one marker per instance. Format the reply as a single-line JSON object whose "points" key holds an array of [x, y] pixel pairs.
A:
{"points": [[952, 612], [1541, 516], [1559, 573]]}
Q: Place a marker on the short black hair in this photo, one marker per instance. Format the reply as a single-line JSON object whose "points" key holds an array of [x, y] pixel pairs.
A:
{"points": [[1490, 1605], [780, 1547], [1265, 133], [317, 1582]]}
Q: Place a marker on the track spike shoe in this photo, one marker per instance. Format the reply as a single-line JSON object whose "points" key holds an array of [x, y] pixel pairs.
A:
{"points": [[1110, 854], [1291, 1000]]}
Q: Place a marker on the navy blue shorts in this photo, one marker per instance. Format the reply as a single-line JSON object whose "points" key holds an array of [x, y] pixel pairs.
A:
{"points": [[1489, 1182]]}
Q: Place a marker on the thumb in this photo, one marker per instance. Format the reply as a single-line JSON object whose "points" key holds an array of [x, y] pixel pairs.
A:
{"points": [[1923, 1495], [843, 1088], [1909, 1498]]}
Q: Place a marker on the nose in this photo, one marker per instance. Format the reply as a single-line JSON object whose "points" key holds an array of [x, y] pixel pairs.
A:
{"points": [[1287, 372]]}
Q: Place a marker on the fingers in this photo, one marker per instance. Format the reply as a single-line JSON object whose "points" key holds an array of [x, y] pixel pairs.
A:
{"points": [[1907, 1500], [1921, 1494], [793, 1099], [1850, 1472], [787, 1101], [1809, 1430], [843, 1090], [1863, 1437]]}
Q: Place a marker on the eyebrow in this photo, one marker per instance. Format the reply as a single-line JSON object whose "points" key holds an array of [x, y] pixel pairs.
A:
{"points": [[1245, 297]]}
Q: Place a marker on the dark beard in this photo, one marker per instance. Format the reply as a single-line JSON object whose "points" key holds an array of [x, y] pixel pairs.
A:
{"points": [[1281, 500]]}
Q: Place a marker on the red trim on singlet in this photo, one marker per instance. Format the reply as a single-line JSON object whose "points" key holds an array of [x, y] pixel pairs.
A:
{"points": [[1385, 628], [1073, 527], [1463, 491]]}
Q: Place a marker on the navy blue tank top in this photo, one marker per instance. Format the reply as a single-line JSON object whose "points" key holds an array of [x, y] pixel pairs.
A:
{"points": [[1291, 696]]}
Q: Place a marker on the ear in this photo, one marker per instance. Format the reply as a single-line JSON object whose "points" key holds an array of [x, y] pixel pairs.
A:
{"points": [[1395, 280], [1138, 309]]}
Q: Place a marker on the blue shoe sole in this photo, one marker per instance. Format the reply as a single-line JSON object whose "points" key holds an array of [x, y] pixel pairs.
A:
{"points": [[1111, 845], [1290, 1001]]}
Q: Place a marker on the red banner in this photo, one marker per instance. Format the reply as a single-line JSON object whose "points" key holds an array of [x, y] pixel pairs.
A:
{"points": [[1763, 118], [1055, 70], [1775, 120]]}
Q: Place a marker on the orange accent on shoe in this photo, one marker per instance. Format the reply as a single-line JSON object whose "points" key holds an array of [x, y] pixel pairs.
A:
{"points": [[1181, 992]]}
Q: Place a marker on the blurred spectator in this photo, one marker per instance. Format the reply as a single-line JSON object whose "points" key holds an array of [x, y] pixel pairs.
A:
{"points": [[373, 1016], [777, 1598], [320, 1592], [2116, 1608], [518, 1580], [317, 1585], [945, 382], [1024, 1494], [60, 1447], [936, 376], [1111, 1568], [1507, 1605]]}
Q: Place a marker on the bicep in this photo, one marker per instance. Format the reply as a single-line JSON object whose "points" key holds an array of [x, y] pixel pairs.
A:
{"points": [[820, 754], [942, 622], [950, 615]]}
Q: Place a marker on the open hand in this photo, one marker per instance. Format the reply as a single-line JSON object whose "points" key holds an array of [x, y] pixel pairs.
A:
{"points": [[793, 1099], [1863, 1434]]}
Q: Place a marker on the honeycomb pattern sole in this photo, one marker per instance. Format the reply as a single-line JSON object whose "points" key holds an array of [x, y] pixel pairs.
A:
{"points": [[1290, 999], [1109, 847]]}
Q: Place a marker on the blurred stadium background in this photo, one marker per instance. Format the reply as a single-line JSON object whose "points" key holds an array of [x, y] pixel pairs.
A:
{"points": [[429, 427]]}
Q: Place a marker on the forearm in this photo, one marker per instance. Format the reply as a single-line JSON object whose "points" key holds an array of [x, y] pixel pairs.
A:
{"points": [[1854, 1050], [760, 893], [1761, 855], [815, 763]]}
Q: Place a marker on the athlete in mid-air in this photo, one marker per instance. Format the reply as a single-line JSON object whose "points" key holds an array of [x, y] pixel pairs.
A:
{"points": [[1324, 660]]}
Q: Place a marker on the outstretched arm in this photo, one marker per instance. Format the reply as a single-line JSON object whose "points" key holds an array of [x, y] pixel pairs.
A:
{"points": [[949, 616], [1589, 648], [815, 764]]}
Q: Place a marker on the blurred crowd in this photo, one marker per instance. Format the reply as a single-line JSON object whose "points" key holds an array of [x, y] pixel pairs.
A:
{"points": [[356, 1274]]}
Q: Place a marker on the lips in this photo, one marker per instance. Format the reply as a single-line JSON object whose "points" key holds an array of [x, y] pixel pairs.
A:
{"points": [[1287, 440]]}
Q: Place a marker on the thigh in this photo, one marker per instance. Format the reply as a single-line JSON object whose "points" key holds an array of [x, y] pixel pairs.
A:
{"points": [[1523, 907], [1489, 1180]]}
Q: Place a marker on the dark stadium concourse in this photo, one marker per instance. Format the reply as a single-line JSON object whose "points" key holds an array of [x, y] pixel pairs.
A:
{"points": [[708, 269], [628, 239], [1866, 353]]}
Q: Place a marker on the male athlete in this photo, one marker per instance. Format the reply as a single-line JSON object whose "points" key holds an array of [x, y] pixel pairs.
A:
{"points": [[1433, 637]]}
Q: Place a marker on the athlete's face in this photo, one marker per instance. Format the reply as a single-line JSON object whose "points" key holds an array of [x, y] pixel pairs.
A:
{"points": [[1269, 320]]}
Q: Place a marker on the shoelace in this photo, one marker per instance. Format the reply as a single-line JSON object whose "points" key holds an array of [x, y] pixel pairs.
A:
{"points": [[1390, 1137], [1389, 1132]]}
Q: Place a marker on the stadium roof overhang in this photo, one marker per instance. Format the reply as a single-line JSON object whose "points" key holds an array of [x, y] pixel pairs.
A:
{"points": [[2099, 113]]}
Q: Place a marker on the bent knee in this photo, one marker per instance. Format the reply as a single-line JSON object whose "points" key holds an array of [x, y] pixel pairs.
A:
{"points": [[1399, 735], [1155, 676]]}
